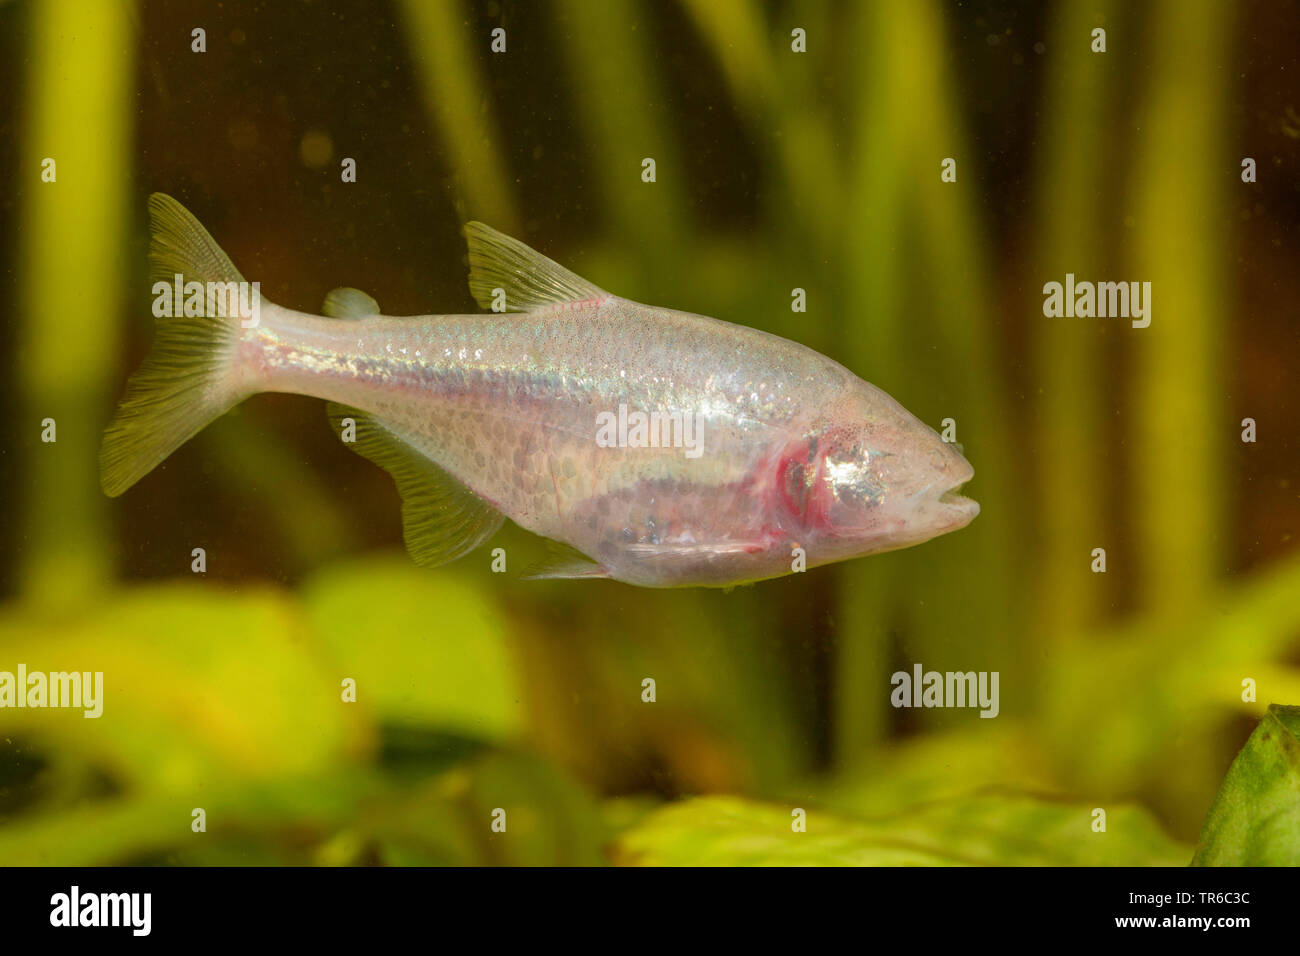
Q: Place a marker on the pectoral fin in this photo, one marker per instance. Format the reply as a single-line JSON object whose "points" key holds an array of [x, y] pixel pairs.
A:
{"points": [[441, 518]]}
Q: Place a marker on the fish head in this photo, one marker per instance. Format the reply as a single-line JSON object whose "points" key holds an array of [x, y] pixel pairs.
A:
{"points": [[869, 476]]}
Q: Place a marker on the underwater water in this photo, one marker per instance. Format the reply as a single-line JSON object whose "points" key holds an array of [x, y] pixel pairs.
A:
{"points": [[1069, 254]]}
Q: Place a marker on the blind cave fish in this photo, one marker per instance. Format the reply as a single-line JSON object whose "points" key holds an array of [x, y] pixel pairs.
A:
{"points": [[654, 447]]}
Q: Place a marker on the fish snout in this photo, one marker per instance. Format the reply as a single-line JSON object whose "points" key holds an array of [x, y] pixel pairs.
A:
{"points": [[955, 509]]}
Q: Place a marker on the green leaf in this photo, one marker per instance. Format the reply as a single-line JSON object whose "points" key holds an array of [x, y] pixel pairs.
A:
{"points": [[938, 767], [1255, 819], [425, 648], [250, 822], [200, 687], [992, 829]]}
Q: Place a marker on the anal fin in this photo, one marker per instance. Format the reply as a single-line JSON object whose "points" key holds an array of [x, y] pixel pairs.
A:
{"points": [[564, 561], [442, 520]]}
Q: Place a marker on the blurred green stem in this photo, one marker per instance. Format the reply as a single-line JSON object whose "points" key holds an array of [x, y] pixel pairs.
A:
{"points": [[1077, 108], [873, 285], [964, 586], [902, 224], [622, 107], [1181, 178], [457, 98], [73, 269]]}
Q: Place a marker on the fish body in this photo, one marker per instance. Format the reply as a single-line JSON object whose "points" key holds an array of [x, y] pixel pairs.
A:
{"points": [[662, 448]]}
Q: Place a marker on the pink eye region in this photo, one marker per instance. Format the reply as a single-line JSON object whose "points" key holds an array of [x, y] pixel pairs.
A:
{"points": [[831, 482], [806, 487], [796, 475]]}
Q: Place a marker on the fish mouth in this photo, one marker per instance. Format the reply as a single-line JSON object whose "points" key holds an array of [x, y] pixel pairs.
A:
{"points": [[951, 496], [959, 477], [964, 509]]}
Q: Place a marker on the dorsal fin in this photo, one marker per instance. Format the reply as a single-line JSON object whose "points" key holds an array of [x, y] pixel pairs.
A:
{"points": [[441, 518], [529, 279], [346, 303]]}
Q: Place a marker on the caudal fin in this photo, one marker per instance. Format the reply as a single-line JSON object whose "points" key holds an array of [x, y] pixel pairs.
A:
{"points": [[189, 377]]}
